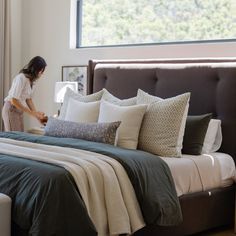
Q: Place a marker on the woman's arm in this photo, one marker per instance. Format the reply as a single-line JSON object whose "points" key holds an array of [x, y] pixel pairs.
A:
{"points": [[18, 105], [30, 104]]}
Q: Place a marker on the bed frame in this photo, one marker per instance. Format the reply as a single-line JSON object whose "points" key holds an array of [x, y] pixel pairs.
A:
{"points": [[212, 83]]}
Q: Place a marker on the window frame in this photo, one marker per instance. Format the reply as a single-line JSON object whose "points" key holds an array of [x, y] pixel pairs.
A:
{"points": [[79, 19]]}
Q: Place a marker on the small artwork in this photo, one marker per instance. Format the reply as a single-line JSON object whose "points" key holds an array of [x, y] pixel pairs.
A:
{"points": [[76, 74]]}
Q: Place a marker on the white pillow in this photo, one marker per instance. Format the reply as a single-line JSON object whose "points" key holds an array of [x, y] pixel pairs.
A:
{"points": [[86, 112], [107, 96], [163, 124], [71, 94], [131, 118], [213, 138]]}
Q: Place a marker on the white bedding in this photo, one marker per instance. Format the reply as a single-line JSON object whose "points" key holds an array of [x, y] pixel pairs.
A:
{"points": [[197, 173]]}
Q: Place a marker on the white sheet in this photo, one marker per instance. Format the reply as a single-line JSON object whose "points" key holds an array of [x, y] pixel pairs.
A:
{"points": [[199, 173]]}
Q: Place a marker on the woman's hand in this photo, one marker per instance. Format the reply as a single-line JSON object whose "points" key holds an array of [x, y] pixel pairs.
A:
{"points": [[38, 115]]}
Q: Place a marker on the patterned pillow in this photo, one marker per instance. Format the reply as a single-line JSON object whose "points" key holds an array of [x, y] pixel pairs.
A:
{"points": [[107, 96], [71, 94], [145, 98], [163, 124], [96, 132]]}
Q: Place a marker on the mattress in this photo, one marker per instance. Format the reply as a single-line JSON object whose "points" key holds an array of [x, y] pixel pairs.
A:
{"points": [[203, 172]]}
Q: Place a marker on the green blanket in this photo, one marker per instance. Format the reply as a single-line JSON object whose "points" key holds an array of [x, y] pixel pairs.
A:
{"points": [[149, 175]]}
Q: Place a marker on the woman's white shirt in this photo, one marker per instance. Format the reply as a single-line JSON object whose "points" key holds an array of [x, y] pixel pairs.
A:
{"points": [[20, 89]]}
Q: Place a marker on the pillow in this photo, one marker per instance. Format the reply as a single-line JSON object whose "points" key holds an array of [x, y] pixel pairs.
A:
{"points": [[195, 132], [82, 111], [96, 132], [145, 98], [163, 124], [213, 138], [107, 96], [131, 118], [71, 94]]}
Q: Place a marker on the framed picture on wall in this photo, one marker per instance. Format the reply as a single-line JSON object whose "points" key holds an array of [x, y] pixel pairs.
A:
{"points": [[76, 74]]}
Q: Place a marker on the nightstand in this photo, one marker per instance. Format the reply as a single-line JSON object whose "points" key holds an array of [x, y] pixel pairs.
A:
{"points": [[36, 130]]}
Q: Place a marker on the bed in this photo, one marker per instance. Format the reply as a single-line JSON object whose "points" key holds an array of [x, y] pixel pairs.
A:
{"points": [[212, 86], [47, 198]]}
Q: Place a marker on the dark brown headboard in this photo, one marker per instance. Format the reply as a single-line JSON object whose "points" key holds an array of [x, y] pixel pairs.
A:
{"points": [[212, 83]]}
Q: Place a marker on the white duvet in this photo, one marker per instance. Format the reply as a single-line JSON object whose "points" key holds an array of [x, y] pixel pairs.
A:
{"points": [[199, 173]]}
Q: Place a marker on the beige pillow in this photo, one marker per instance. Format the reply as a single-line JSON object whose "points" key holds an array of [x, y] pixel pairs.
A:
{"points": [[71, 94], [163, 124], [131, 118], [86, 112], [107, 96]]}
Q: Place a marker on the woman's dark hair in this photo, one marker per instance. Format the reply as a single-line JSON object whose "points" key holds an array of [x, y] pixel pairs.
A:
{"points": [[32, 69]]}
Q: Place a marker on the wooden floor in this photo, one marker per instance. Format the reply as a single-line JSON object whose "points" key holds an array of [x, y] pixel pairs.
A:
{"points": [[229, 231]]}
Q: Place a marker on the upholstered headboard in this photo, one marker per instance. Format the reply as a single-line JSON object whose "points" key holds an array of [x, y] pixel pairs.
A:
{"points": [[212, 83]]}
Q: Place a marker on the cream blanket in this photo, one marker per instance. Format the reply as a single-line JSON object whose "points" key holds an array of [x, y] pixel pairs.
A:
{"points": [[103, 183]]}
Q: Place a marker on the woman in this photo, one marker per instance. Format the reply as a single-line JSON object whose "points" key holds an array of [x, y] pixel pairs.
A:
{"points": [[19, 99]]}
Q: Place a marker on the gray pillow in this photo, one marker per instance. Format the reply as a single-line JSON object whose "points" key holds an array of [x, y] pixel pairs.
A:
{"points": [[107, 96], [96, 132]]}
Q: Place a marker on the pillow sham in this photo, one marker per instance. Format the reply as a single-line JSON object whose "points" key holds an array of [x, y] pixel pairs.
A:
{"points": [[71, 94], [96, 132], [131, 118], [163, 124], [107, 96], [82, 111], [213, 138], [146, 98], [195, 132]]}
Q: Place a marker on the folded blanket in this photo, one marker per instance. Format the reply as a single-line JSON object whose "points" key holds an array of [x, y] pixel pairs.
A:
{"points": [[149, 175], [104, 185]]}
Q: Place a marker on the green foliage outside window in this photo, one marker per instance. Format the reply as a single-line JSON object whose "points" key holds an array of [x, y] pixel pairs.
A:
{"points": [[119, 22]]}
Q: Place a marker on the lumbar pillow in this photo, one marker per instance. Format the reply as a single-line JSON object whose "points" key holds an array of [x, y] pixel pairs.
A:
{"points": [[131, 118], [96, 132], [163, 124], [213, 138], [71, 94], [107, 96], [195, 132], [82, 111]]}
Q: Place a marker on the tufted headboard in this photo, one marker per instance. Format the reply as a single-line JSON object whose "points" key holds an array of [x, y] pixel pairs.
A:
{"points": [[212, 83]]}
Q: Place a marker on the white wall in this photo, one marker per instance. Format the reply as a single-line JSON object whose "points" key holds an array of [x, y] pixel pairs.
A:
{"points": [[45, 28]]}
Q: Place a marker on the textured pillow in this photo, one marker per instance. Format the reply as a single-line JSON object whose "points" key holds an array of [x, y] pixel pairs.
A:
{"points": [[213, 138], [96, 132], [145, 98], [107, 96], [71, 94], [163, 123], [195, 132], [82, 111], [131, 118]]}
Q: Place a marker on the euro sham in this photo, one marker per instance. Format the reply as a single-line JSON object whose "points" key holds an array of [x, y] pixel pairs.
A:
{"points": [[163, 124], [71, 94]]}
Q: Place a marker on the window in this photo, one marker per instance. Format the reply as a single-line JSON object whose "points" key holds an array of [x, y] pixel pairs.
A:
{"points": [[125, 22]]}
